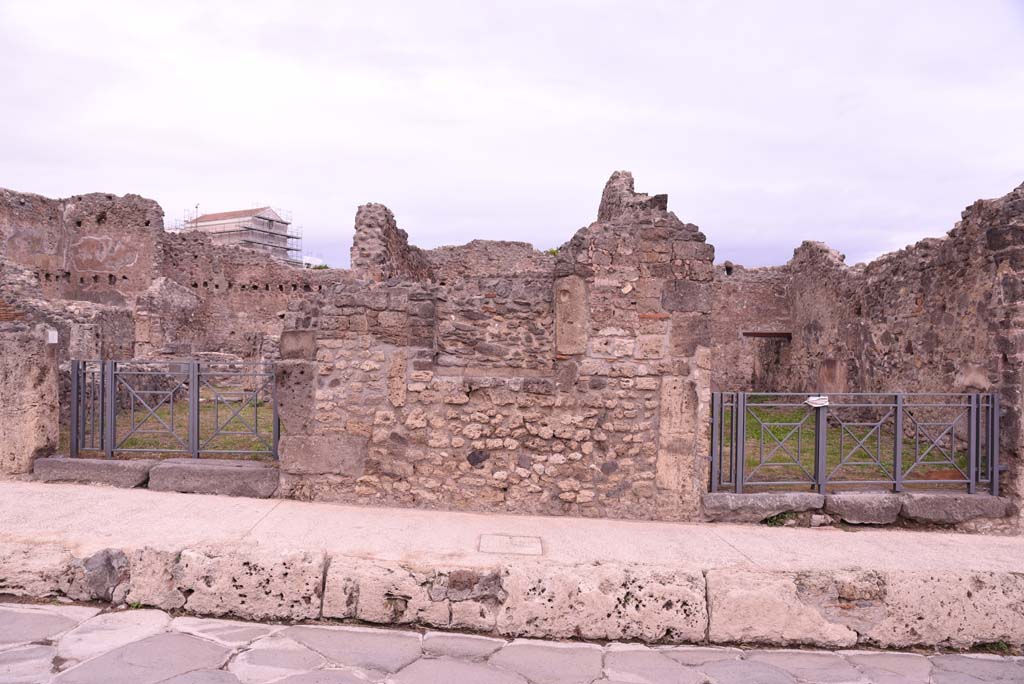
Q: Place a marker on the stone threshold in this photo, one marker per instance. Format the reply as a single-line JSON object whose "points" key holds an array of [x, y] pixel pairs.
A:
{"points": [[655, 583], [858, 507], [229, 477]]}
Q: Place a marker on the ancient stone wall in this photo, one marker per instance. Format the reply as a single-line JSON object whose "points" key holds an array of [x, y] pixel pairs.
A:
{"points": [[579, 387], [488, 257], [381, 250], [95, 247], [752, 325], [28, 387], [942, 315]]}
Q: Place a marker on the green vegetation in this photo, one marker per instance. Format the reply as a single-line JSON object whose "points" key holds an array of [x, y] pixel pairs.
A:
{"points": [[220, 429], [553, 251], [779, 519], [784, 436], [319, 267]]}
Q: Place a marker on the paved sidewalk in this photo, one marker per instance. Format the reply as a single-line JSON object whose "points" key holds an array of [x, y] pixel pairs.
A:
{"points": [[69, 644], [86, 519]]}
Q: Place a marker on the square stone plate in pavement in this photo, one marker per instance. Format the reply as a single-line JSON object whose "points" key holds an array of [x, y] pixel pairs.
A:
{"points": [[507, 543]]}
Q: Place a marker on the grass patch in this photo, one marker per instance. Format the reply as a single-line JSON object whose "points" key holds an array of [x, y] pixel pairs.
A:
{"points": [[779, 519]]}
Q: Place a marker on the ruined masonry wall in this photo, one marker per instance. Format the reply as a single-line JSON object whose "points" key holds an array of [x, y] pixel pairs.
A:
{"points": [[580, 389], [28, 385]]}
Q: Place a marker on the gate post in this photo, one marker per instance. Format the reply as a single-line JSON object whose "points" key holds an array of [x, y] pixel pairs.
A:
{"points": [[193, 408], [897, 447], [740, 446], [820, 447], [76, 367], [716, 438], [109, 407], [275, 426], [972, 444], [993, 443]]}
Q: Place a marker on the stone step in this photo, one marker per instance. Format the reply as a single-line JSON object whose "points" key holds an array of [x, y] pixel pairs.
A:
{"points": [[858, 507], [215, 476], [113, 472]]}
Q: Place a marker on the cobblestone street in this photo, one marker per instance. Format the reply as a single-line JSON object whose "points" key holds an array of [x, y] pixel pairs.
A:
{"points": [[69, 644]]}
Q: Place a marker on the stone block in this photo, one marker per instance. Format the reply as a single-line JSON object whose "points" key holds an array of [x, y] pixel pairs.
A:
{"points": [[214, 476], [336, 453], [949, 609], [116, 473], [295, 385], [298, 344], [230, 580], [859, 508], [686, 296], [571, 315], [951, 508], [546, 662], [603, 602], [29, 414], [731, 507], [764, 607]]}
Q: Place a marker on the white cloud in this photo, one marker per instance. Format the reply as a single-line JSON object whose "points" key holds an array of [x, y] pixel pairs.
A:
{"points": [[868, 124]]}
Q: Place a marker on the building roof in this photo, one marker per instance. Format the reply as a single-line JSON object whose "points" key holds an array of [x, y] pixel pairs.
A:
{"points": [[241, 213]]}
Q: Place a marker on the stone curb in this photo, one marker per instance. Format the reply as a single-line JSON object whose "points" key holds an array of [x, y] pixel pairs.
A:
{"points": [[651, 604]]}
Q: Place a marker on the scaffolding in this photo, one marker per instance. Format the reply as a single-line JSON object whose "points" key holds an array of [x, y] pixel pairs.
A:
{"points": [[261, 229]]}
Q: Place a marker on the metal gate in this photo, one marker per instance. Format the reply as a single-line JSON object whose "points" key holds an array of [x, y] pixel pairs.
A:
{"points": [[792, 440], [186, 408]]}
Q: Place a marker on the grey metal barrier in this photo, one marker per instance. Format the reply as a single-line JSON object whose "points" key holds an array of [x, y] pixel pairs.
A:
{"points": [[761, 441], [188, 408]]}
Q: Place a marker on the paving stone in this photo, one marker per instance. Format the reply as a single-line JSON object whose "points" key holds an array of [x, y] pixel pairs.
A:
{"points": [[325, 677], [745, 672], [460, 645], [860, 508], [374, 649], [820, 667], [726, 506], [113, 472], [641, 665], [151, 660], [273, 658], [204, 677], [22, 626], [451, 671], [108, 631], [228, 632], [550, 663], [28, 664], [215, 476], [950, 508], [698, 655], [953, 669], [892, 668]]}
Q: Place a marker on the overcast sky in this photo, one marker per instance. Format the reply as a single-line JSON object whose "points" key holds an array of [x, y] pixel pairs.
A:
{"points": [[868, 125]]}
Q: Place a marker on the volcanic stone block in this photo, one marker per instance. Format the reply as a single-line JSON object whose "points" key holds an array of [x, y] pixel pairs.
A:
{"points": [[220, 476], [874, 508], [338, 453], [129, 473], [686, 295], [951, 508], [298, 344], [571, 315], [726, 506]]}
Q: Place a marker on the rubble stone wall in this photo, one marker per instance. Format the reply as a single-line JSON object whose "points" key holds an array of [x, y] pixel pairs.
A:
{"points": [[942, 315], [492, 376], [579, 387], [94, 247], [381, 250]]}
